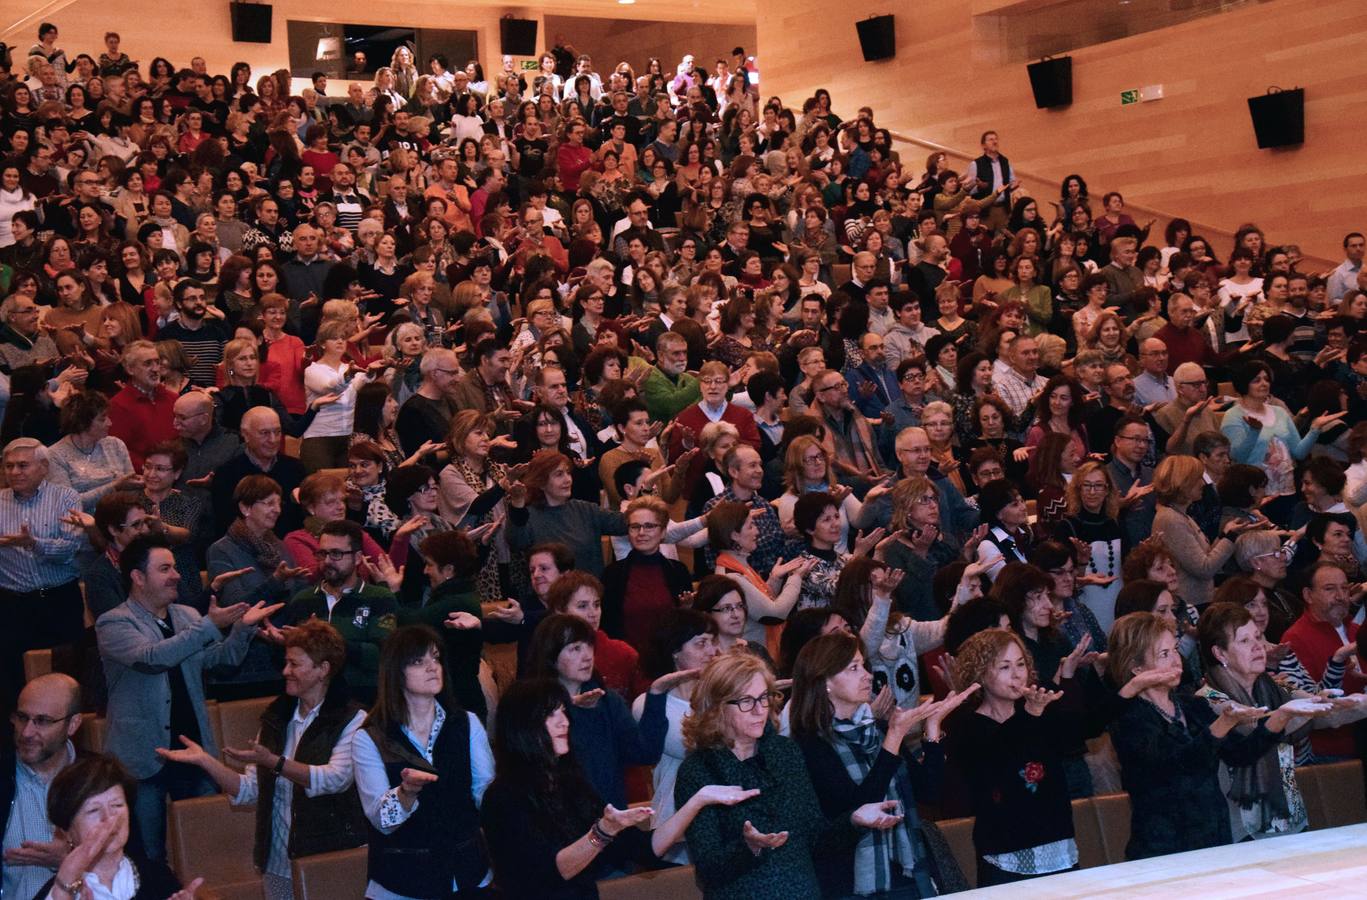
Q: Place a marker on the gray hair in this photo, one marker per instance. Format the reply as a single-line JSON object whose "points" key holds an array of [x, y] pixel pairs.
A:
{"points": [[435, 358], [7, 307], [1252, 544], [137, 345], [391, 345], [33, 445]]}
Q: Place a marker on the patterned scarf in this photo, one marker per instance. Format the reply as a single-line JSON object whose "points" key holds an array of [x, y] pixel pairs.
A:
{"points": [[857, 742], [268, 549], [1260, 783], [487, 580]]}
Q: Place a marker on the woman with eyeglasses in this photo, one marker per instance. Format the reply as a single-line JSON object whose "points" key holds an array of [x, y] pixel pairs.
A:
{"points": [[762, 847], [183, 515], [1091, 521], [722, 598]]}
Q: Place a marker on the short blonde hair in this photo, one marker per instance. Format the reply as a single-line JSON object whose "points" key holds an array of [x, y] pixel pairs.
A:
{"points": [[650, 504], [340, 310], [334, 329], [704, 728], [1174, 478], [1131, 638]]}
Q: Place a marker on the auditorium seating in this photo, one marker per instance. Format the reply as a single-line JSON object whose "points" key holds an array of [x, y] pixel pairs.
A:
{"points": [[330, 876], [1333, 794], [207, 838], [238, 723]]}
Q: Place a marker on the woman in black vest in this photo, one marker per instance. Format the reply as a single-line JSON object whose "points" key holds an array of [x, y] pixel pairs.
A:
{"points": [[305, 738], [422, 764]]}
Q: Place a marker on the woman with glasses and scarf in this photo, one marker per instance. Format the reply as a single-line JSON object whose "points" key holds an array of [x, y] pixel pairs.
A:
{"points": [[763, 847], [853, 759]]}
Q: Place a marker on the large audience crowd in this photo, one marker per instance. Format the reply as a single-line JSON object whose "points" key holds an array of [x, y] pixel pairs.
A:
{"points": [[552, 441]]}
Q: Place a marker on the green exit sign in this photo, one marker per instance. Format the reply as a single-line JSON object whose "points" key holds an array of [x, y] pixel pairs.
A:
{"points": [[1128, 97], [530, 65]]}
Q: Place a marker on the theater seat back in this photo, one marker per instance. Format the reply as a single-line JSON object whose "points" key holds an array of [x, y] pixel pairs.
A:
{"points": [[1113, 819], [678, 883], [330, 876], [207, 838], [958, 833]]}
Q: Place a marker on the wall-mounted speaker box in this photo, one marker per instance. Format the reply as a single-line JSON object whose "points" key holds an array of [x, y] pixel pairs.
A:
{"points": [[876, 38], [251, 22], [517, 36], [1278, 118], [1052, 81]]}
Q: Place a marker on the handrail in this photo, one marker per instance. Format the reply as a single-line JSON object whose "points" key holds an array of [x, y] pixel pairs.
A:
{"points": [[1161, 218]]}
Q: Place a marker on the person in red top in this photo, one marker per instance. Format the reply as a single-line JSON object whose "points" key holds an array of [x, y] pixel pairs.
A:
{"points": [[317, 154], [580, 594], [1185, 343], [714, 378], [572, 158], [140, 414], [642, 587], [1323, 630]]}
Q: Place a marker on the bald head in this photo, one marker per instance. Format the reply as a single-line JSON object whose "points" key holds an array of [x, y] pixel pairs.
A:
{"points": [[193, 416], [47, 715], [863, 265], [261, 433], [1153, 356], [1189, 371]]}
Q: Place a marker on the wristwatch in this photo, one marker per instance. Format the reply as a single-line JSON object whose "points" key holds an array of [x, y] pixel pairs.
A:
{"points": [[279, 765], [75, 888]]}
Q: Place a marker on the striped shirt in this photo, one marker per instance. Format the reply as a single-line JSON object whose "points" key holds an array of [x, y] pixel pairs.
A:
{"points": [[28, 822], [52, 561]]}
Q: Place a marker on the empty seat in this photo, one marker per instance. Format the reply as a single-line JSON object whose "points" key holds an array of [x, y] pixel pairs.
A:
{"points": [[207, 838], [1333, 794], [90, 737], [339, 875], [37, 662], [959, 835], [1113, 818], [1091, 849], [666, 884], [840, 273], [239, 722]]}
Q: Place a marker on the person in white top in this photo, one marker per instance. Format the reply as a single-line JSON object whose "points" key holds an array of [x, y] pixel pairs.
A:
{"points": [[325, 441], [314, 653]]}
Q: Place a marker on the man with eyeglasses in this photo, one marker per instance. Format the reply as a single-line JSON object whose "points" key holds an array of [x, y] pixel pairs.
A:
{"points": [[207, 446], [45, 720], [1132, 478], [1118, 397], [714, 385], [1194, 411], [22, 342], [857, 458], [362, 611], [425, 415], [141, 413]]}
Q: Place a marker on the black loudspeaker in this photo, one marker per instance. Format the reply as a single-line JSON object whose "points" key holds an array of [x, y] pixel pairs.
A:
{"points": [[251, 22], [1278, 118], [876, 38], [518, 36], [1052, 81]]}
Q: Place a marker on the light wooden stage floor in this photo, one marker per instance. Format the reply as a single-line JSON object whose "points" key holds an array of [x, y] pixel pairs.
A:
{"points": [[1330, 863]]}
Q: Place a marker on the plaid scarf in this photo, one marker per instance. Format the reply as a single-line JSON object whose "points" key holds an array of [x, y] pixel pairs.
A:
{"points": [[857, 742]]}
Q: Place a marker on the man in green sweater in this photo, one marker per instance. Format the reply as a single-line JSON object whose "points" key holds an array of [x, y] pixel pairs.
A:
{"points": [[362, 612], [668, 390]]}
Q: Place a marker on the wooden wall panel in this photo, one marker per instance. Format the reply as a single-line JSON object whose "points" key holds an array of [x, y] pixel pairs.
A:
{"points": [[1191, 153]]}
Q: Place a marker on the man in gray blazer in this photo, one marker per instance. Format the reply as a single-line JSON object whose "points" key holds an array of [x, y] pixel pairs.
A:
{"points": [[155, 652]]}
